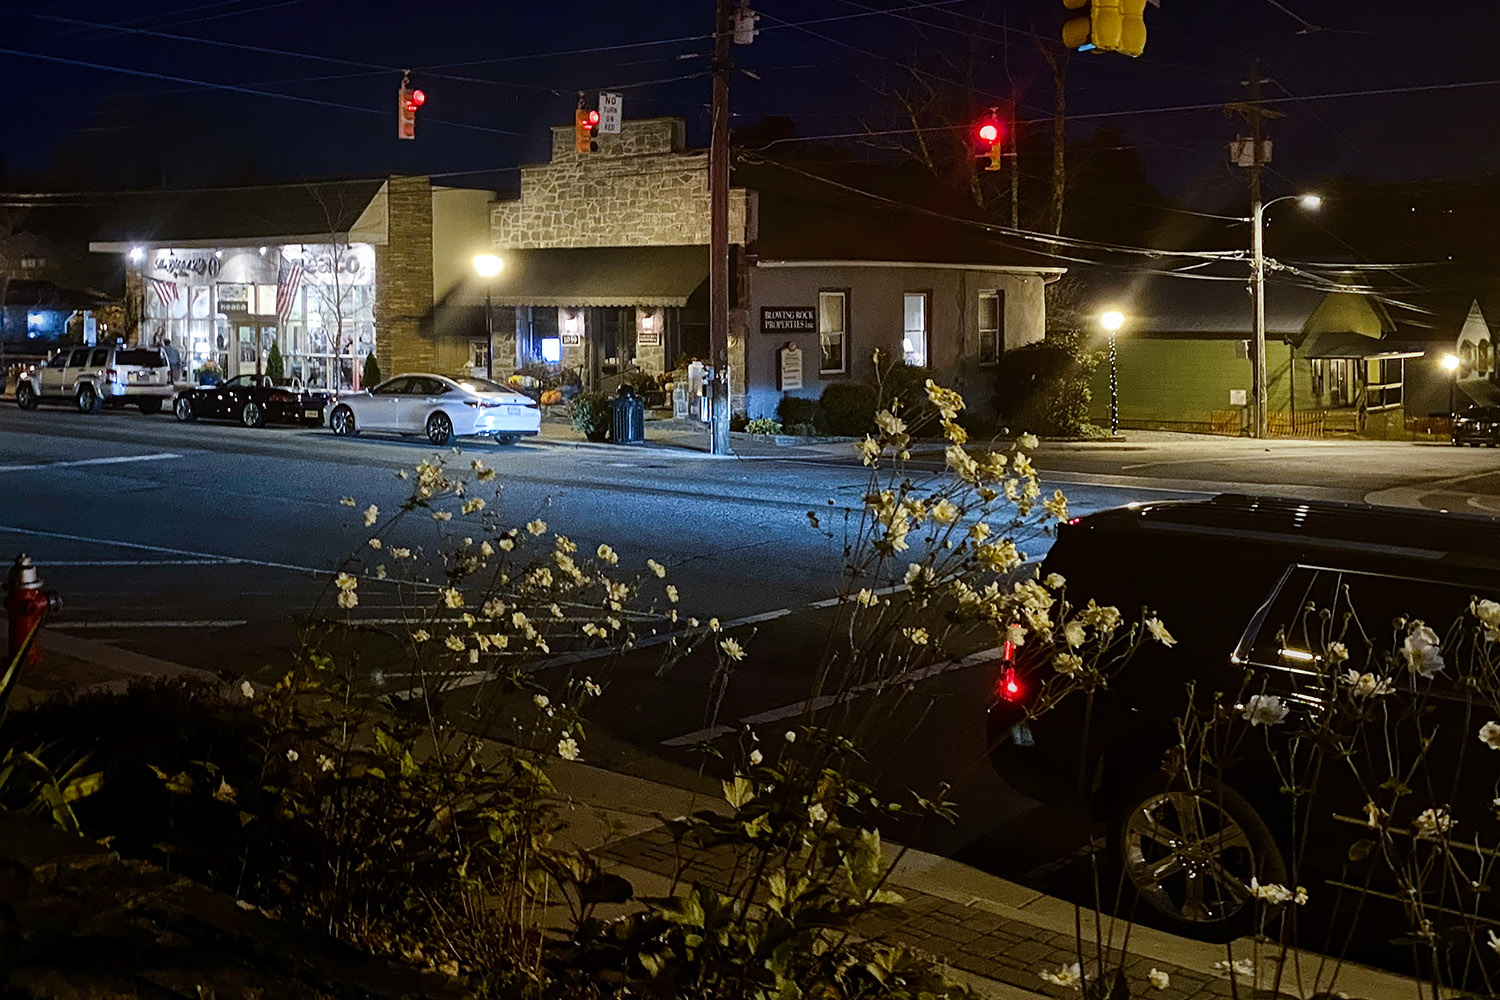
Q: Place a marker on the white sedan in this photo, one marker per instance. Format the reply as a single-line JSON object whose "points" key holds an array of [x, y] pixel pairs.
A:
{"points": [[439, 408]]}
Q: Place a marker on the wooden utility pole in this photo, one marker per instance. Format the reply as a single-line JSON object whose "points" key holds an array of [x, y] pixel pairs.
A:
{"points": [[718, 234]]}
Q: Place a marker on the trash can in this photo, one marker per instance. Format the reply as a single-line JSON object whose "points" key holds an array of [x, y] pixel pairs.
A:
{"points": [[628, 425]]}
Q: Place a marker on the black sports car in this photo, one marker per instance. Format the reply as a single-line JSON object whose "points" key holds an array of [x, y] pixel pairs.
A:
{"points": [[252, 400], [1477, 425]]}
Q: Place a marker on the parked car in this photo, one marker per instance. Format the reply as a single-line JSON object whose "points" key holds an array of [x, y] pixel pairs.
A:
{"points": [[253, 400], [1230, 577], [1477, 425], [94, 377], [439, 407]]}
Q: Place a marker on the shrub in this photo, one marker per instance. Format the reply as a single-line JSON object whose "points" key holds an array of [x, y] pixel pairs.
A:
{"points": [[641, 382], [592, 414], [1044, 387], [847, 409], [371, 374], [763, 425], [275, 364], [903, 388], [797, 410]]}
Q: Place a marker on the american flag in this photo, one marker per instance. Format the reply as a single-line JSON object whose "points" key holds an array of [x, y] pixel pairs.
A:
{"points": [[288, 282], [166, 291]]}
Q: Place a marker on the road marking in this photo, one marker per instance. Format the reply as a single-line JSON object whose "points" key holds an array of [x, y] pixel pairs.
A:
{"points": [[139, 562], [142, 547], [208, 623], [120, 460], [829, 700]]}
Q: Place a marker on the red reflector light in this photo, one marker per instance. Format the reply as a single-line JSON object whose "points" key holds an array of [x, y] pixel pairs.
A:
{"points": [[1009, 686]]}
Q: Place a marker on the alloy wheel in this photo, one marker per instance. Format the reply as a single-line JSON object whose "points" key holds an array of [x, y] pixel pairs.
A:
{"points": [[341, 422], [252, 415], [439, 429], [183, 409], [1188, 857]]}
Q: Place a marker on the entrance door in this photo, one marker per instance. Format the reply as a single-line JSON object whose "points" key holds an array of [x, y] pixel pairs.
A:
{"points": [[244, 348]]}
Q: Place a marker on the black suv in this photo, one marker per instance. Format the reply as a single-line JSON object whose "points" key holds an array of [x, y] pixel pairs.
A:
{"points": [[1231, 578]]}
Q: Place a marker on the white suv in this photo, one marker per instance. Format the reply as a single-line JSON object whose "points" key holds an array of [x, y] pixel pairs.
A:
{"points": [[92, 377]]}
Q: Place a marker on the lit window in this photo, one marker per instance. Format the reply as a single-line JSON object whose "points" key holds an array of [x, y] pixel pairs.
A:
{"points": [[552, 350], [33, 263], [991, 326], [914, 341], [833, 312]]}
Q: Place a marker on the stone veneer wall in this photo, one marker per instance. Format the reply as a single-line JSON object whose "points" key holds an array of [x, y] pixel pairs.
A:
{"points": [[404, 339], [640, 189]]}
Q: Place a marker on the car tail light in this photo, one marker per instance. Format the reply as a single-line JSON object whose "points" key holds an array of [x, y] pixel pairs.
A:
{"points": [[282, 397], [110, 374], [1009, 687], [480, 404]]}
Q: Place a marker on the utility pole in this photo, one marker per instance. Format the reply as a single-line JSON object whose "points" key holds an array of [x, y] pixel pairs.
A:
{"points": [[718, 236], [1255, 114]]}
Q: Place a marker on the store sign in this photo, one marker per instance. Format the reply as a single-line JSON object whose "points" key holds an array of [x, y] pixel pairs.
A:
{"points": [[345, 262], [789, 371], [182, 263], [788, 319]]}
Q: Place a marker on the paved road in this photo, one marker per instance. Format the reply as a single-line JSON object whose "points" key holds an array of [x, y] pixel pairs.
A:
{"points": [[197, 543]]}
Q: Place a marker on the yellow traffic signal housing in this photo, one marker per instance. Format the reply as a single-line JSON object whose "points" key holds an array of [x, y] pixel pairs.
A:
{"points": [[995, 153], [583, 131], [1132, 27], [1077, 32], [1111, 26]]}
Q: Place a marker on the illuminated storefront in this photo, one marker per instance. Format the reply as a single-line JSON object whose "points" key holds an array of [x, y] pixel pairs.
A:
{"points": [[224, 308]]}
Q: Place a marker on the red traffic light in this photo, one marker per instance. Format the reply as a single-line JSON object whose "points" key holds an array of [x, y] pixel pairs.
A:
{"points": [[989, 133], [418, 98], [592, 118]]}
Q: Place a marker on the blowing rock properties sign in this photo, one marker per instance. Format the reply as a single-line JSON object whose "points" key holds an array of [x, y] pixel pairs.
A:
{"points": [[788, 319]]}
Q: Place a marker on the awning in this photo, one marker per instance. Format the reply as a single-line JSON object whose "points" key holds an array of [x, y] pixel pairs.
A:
{"points": [[600, 276], [1358, 346]]}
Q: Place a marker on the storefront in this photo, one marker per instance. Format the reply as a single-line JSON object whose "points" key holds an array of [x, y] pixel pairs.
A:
{"points": [[225, 308]]}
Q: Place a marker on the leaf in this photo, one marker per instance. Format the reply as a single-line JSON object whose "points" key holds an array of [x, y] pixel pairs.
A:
{"points": [[1396, 786], [387, 743], [758, 826], [865, 862], [738, 792], [1361, 849], [178, 784], [82, 788], [686, 910]]}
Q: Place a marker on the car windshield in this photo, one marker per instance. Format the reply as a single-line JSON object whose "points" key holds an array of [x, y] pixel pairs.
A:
{"points": [[140, 358], [482, 385]]}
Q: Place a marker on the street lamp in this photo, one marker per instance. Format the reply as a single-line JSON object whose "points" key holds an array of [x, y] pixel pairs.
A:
{"points": [[487, 265], [1112, 320], [1311, 202], [1451, 363]]}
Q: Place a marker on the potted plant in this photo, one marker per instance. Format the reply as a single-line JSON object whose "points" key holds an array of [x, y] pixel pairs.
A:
{"points": [[592, 414], [209, 373]]}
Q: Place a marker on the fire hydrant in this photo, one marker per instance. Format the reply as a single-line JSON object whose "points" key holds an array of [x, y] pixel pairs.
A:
{"points": [[27, 605]]}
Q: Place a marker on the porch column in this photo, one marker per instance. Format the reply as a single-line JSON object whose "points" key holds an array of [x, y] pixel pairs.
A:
{"points": [[650, 339]]}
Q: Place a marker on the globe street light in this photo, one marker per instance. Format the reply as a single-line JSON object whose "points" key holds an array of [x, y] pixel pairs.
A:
{"points": [[1311, 202], [487, 265], [1112, 320], [1451, 363]]}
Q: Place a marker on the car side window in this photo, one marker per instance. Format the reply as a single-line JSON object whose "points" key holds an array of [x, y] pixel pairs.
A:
{"points": [[100, 357], [79, 358], [395, 387], [428, 387]]}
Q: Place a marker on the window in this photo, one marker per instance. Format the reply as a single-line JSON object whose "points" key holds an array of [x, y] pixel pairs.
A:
{"points": [[100, 357], [394, 387], [991, 326], [833, 332], [33, 263], [914, 342]]}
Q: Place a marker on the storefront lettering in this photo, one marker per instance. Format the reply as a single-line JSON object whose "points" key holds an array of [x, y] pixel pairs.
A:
{"points": [[207, 265], [788, 319], [327, 263]]}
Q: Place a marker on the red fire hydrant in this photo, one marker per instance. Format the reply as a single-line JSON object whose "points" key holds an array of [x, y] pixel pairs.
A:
{"points": [[27, 605]]}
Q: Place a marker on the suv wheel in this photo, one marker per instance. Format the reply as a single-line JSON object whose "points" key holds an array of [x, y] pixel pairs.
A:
{"points": [[150, 405], [252, 415], [341, 422], [26, 397], [88, 399], [182, 408], [1190, 857], [439, 429]]}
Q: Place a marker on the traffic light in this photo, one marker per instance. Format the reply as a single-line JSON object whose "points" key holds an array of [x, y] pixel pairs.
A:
{"points": [[1108, 26], [990, 136], [584, 123], [407, 103]]}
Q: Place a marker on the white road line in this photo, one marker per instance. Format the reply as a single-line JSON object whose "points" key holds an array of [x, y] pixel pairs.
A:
{"points": [[139, 562], [142, 547], [818, 704], [209, 623], [119, 460]]}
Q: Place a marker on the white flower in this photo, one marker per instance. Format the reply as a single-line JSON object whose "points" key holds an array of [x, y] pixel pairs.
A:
{"points": [[1074, 633], [541, 700], [671, 593], [1433, 822], [348, 599], [917, 636], [1337, 653], [945, 511], [442, 515], [371, 513], [292, 756], [347, 501], [1300, 896], [790, 736], [1054, 581], [1159, 979], [374, 543], [867, 598], [1027, 441], [732, 649], [420, 635], [1373, 815], [889, 423], [756, 757], [1367, 685], [247, 689], [1489, 734], [657, 568], [1271, 892], [345, 582], [607, 554], [1159, 632], [1264, 710], [593, 689], [1494, 943], [325, 763], [1068, 977], [567, 748], [1015, 635], [1488, 613], [455, 643], [400, 553], [714, 626], [1422, 651], [452, 598], [868, 450], [1068, 664], [1243, 967], [380, 572], [816, 812], [537, 527], [471, 505]]}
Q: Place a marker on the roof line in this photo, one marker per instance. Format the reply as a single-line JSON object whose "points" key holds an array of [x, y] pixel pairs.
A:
{"points": [[1021, 268]]}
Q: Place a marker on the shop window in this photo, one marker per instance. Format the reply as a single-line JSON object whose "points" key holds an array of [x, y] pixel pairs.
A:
{"points": [[552, 350], [991, 326], [616, 336], [538, 330], [914, 340], [833, 332]]}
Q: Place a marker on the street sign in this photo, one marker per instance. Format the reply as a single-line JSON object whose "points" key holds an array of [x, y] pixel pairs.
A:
{"points": [[611, 111], [789, 372]]}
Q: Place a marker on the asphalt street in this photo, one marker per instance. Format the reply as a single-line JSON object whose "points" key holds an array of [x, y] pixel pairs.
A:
{"points": [[198, 543]]}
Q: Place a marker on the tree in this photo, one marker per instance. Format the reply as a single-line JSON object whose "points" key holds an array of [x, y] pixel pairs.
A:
{"points": [[334, 294], [275, 366], [371, 375]]}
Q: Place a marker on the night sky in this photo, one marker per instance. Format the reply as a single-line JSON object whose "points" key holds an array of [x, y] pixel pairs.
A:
{"points": [[498, 75]]}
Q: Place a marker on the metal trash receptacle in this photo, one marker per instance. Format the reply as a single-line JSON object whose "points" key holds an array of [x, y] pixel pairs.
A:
{"points": [[628, 413]]}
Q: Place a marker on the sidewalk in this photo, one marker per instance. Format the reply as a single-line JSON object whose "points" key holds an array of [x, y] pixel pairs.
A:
{"points": [[995, 936], [690, 440]]}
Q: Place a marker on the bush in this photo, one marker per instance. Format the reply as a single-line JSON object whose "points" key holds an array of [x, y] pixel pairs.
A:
{"points": [[763, 425], [371, 375], [847, 409], [593, 414], [797, 410], [275, 364], [1044, 388], [903, 388]]}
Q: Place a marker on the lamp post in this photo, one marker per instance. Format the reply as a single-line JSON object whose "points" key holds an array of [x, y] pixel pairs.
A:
{"points": [[1112, 320], [488, 265], [1258, 293], [1451, 363]]}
